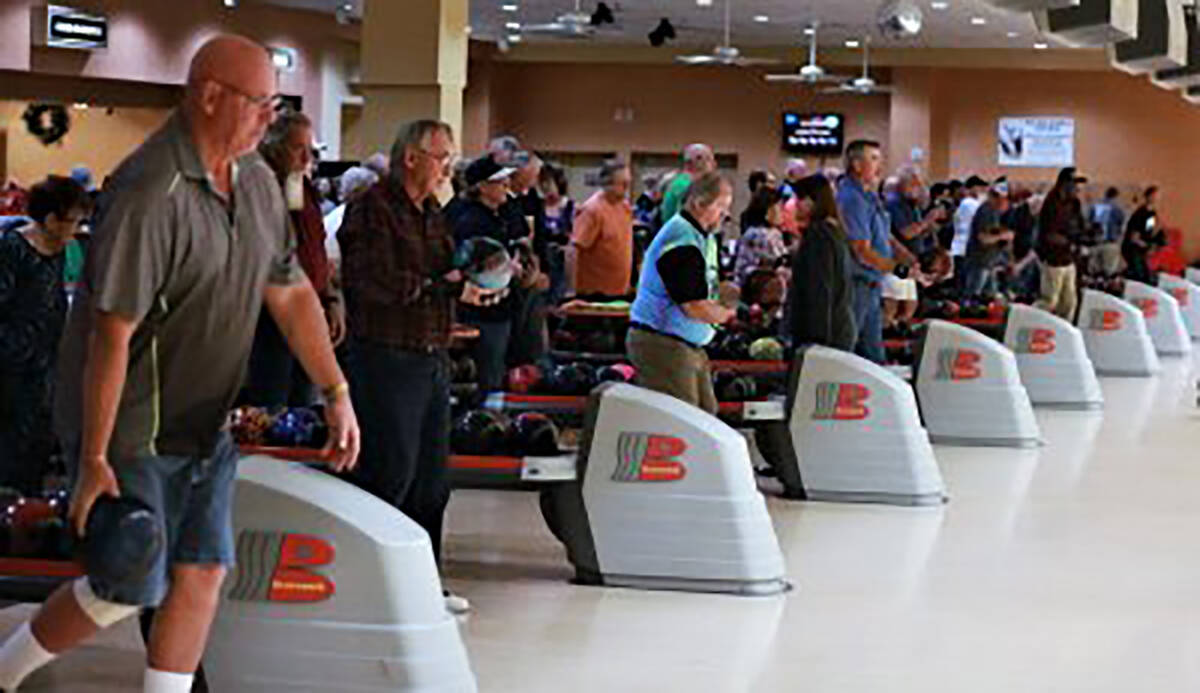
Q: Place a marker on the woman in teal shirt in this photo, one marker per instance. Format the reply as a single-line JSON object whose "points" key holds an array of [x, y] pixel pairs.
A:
{"points": [[676, 307]]}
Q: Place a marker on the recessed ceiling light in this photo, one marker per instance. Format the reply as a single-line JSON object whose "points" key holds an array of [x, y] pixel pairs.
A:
{"points": [[1013, 34], [704, 3], [229, 3], [513, 26], [761, 18], [809, 31], [852, 43], [514, 38], [939, 5], [978, 21], [509, 8], [467, 30], [1041, 45]]}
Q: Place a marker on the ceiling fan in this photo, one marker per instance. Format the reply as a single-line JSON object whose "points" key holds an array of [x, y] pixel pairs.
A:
{"points": [[575, 24], [724, 54], [812, 73], [863, 85]]}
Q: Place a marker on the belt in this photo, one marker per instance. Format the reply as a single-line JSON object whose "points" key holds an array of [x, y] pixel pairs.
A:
{"points": [[646, 328]]}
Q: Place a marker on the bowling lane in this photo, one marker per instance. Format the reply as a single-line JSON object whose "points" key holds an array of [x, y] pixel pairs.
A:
{"points": [[1065, 568]]}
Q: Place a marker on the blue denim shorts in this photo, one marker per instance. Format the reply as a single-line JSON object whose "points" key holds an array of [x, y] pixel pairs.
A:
{"points": [[193, 497]]}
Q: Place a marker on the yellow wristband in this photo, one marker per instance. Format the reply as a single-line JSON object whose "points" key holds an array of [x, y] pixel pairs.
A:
{"points": [[332, 393]]}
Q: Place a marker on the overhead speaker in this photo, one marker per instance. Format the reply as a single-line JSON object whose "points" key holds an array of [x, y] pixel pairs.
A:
{"points": [[1189, 74], [1093, 23], [1032, 5], [1161, 43]]}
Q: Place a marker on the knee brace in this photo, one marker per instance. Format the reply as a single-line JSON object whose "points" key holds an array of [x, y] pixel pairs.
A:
{"points": [[102, 613]]}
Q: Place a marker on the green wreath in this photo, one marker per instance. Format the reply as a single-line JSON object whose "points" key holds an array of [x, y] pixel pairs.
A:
{"points": [[49, 123]]}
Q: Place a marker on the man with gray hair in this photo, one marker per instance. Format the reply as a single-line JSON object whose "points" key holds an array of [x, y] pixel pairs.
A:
{"points": [[698, 159], [400, 287], [603, 237], [191, 244]]}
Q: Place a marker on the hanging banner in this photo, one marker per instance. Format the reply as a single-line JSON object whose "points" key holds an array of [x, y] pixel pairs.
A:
{"points": [[1037, 141]]}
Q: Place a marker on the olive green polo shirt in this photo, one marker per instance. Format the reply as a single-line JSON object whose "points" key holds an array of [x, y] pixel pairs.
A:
{"points": [[190, 267]]}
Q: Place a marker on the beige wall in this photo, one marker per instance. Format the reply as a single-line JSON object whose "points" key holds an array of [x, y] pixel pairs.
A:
{"points": [[558, 107], [97, 140]]}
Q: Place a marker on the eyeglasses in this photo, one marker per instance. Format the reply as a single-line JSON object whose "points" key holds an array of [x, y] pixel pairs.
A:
{"points": [[264, 103], [443, 158]]}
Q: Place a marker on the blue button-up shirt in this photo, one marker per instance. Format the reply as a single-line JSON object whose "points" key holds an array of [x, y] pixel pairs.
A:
{"points": [[866, 219]]}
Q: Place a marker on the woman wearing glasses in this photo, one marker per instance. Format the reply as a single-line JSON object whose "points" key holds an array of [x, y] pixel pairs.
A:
{"points": [[33, 308]]}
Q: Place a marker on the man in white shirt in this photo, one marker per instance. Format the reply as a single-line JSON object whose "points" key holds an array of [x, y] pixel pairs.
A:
{"points": [[976, 192]]}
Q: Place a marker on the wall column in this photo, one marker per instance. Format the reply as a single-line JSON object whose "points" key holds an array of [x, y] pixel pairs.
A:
{"points": [[414, 65]]}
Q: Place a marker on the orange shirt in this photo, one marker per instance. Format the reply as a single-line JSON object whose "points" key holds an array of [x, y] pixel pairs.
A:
{"points": [[603, 237]]}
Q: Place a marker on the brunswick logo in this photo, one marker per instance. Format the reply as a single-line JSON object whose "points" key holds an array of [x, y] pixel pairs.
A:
{"points": [[1104, 320], [1181, 294], [275, 567], [958, 364], [841, 402], [649, 457], [1035, 340], [1149, 306]]}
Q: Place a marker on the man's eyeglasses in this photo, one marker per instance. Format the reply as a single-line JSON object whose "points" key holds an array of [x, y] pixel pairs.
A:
{"points": [[443, 158], [263, 102]]}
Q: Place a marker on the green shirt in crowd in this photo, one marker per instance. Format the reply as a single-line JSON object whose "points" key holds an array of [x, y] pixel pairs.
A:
{"points": [[673, 199]]}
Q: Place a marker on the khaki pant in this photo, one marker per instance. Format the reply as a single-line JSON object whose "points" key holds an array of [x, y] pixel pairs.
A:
{"points": [[1058, 291], [671, 367], [1106, 259]]}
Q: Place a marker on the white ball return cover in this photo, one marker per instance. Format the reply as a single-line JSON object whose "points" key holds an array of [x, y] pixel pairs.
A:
{"points": [[858, 434], [970, 390], [1052, 359], [1163, 319], [672, 500], [334, 590], [1116, 337], [1187, 295]]}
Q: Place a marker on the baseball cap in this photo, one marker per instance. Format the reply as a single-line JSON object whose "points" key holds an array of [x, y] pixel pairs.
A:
{"points": [[1072, 175], [485, 169], [507, 151], [976, 182], [1000, 186]]}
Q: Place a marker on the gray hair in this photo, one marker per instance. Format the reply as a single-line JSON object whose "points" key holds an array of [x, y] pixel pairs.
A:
{"points": [[609, 169], [355, 181], [695, 152], [705, 190], [857, 150], [414, 136], [274, 144]]}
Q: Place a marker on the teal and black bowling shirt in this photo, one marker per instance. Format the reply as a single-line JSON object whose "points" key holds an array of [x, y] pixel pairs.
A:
{"points": [[681, 266]]}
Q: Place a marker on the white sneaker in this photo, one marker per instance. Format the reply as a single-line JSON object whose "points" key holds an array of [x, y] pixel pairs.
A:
{"points": [[455, 604]]}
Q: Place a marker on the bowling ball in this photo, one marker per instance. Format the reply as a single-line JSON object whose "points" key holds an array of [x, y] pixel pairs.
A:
{"points": [[615, 374], [26, 518], [629, 371], [480, 432], [296, 427], [766, 349], [485, 261], [524, 379], [757, 316], [572, 379], [249, 425], [737, 346], [464, 370], [534, 435], [732, 387]]}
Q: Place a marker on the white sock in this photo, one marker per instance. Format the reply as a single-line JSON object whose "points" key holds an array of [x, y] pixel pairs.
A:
{"points": [[166, 682], [20, 656]]}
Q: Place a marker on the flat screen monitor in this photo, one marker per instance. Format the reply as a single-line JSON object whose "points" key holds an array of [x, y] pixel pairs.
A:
{"points": [[818, 134]]}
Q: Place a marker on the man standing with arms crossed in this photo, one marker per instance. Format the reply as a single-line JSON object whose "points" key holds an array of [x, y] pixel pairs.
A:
{"points": [[870, 232], [191, 241]]}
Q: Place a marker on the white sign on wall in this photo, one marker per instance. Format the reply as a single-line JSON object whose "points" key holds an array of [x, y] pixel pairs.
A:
{"points": [[1036, 141]]}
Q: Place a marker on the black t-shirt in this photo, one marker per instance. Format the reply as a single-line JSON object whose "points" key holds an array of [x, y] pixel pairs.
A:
{"points": [[987, 220], [1143, 225], [683, 271], [1020, 220]]}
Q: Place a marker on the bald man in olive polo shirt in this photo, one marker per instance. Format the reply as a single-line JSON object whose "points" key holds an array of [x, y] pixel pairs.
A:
{"points": [[191, 241]]}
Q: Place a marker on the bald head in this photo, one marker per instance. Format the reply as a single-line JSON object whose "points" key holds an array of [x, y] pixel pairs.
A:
{"points": [[699, 159], [796, 170], [230, 95]]}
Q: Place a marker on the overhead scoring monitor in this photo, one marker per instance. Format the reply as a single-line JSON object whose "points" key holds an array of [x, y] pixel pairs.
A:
{"points": [[819, 134]]}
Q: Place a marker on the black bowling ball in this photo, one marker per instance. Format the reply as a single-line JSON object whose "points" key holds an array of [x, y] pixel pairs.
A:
{"points": [[480, 432], [465, 371], [534, 435], [572, 379]]}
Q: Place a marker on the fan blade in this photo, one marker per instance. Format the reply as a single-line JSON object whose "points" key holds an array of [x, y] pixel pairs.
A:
{"points": [[836, 90], [751, 62], [792, 77], [882, 89], [696, 59]]}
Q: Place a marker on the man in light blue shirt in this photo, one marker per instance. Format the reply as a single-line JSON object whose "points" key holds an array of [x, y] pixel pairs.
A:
{"points": [[869, 229]]}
